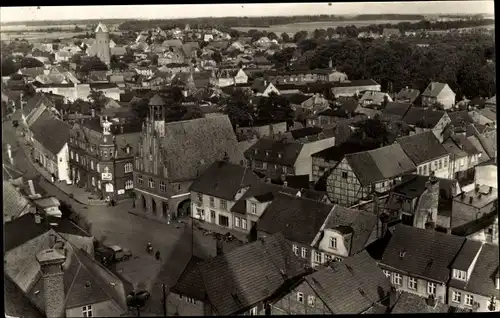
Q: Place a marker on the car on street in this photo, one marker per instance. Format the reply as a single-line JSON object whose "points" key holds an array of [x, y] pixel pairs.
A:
{"points": [[113, 253], [120, 254]]}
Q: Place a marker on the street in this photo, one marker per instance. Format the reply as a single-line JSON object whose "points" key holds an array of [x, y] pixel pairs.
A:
{"points": [[116, 226]]}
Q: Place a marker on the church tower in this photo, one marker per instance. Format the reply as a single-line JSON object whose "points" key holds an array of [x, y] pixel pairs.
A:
{"points": [[102, 43], [157, 116]]}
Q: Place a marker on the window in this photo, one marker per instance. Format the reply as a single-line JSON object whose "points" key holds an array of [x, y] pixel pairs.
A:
{"points": [[264, 165], [328, 258], [397, 279], [139, 179], [200, 197], [387, 273], [300, 297], [93, 181], [469, 300], [87, 311], [456, 297], [431, 288], [223, 220], [151, 183], [460, 275], [445, 162], [333, 242], [244, 224], [412, 283], [163, 186], [92, 164], [253, 311], [72, 154], [212, 202], [425, 170], [236, 221], [338, 259], [77, 159], [311, 300], [344, 175], [98, 169], [223, 205], [419, 170], [253, 209], [317, 257], [295, 250], [190, 300], [440, 163], [99, 184], [304, 252], [128, 167], [129, 184]]}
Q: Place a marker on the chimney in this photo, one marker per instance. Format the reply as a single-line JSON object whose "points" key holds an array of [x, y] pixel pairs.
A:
{"points": [[38, 218], [330, 64], [51, 262], [285, 183], [121, 129], [219, 246], [268, 180], [299, 194], [92, 112]]}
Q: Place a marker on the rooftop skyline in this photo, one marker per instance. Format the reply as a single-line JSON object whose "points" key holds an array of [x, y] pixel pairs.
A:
{"points": [[20, 14]]}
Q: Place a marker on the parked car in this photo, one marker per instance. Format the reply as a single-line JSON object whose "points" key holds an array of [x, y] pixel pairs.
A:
{"points": [[120, 254], [113, 253]]}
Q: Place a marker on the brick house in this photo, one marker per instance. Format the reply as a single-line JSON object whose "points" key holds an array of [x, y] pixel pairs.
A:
{"points": [[419, 261], [427, 153], [214, 193], [475, 284], [172, 155], [360, 174], [354, 286], [101, 156]]}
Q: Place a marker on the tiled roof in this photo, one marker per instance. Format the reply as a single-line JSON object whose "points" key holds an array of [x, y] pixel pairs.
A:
{"points": [[51, 132], [482, 278], [351, 286], [223, 180], [361, 223], [24, 229], [298, 219], [380, 164], [408, 303], [354, 83], [10, 172], [407, 95], [14, 203], [433, 89], [396, 109], [304, 132], [252, 273], [260, 191], [422, 147], [337, 153], [488, 113], [374, 97], [17, 303], [423, 118], [426, 253], [274, 151], [466, 255], [192, 144], [190, 282]]}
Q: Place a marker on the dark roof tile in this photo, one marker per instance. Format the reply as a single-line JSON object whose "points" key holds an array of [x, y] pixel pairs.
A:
{"points": [[422, 147], [51, 132], [274, 151]]}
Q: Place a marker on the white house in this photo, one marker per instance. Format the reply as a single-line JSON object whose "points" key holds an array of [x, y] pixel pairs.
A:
{"points": [[438, 93]]}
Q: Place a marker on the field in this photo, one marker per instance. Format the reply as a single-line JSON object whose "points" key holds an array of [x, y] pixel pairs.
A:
{"points": [[38, 36], [311, 26]]}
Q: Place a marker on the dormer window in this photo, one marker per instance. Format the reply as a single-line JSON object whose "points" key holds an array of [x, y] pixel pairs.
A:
{"points": [[333, 243], [460, 275], [402, 254]]}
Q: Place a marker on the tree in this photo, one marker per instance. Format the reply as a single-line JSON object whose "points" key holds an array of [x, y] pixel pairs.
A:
{"points": [[272, 36], [300, 36], [97, 99], [93, 64], [234, 34], [140, 108], [238, 108], [273, 109], [29, 62], [217, 57], [371, 132], [285, 37], [9, 66]]}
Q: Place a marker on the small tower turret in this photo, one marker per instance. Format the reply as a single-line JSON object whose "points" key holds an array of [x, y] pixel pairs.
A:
{"points": [[157, 115], [102, 43]]}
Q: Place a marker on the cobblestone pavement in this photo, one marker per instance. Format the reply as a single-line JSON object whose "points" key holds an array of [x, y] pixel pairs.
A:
{"points": [[118, 227]]}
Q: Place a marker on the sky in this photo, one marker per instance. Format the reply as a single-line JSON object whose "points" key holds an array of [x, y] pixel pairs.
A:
{"points": [[13, 14]]}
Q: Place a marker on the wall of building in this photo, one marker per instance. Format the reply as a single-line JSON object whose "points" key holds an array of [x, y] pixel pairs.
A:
{"points": [[345, 191], [303, 164], [289, 305], [343, 247], [63, 163], [352, 90], [106, 308], [320, 166], [210, 211], [438, 166], [421, 287], [463, 212], [178, 305], [483, 301]]}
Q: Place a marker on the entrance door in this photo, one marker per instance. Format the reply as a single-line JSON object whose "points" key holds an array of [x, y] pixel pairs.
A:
{"points": [[144, 206], [212, 216], [153, 206], [164, 209]]}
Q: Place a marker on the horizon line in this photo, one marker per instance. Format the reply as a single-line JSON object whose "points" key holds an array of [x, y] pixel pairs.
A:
{"points": [[243, 16]]}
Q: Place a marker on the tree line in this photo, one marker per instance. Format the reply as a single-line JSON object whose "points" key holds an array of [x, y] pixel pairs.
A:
{"points": [[465, 62]]}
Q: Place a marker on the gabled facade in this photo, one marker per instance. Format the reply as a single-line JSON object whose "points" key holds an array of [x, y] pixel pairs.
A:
{"points": [[438, 93]]}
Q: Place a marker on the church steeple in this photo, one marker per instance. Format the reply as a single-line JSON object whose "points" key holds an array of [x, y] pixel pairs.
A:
{"points": [[103, 50]]}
